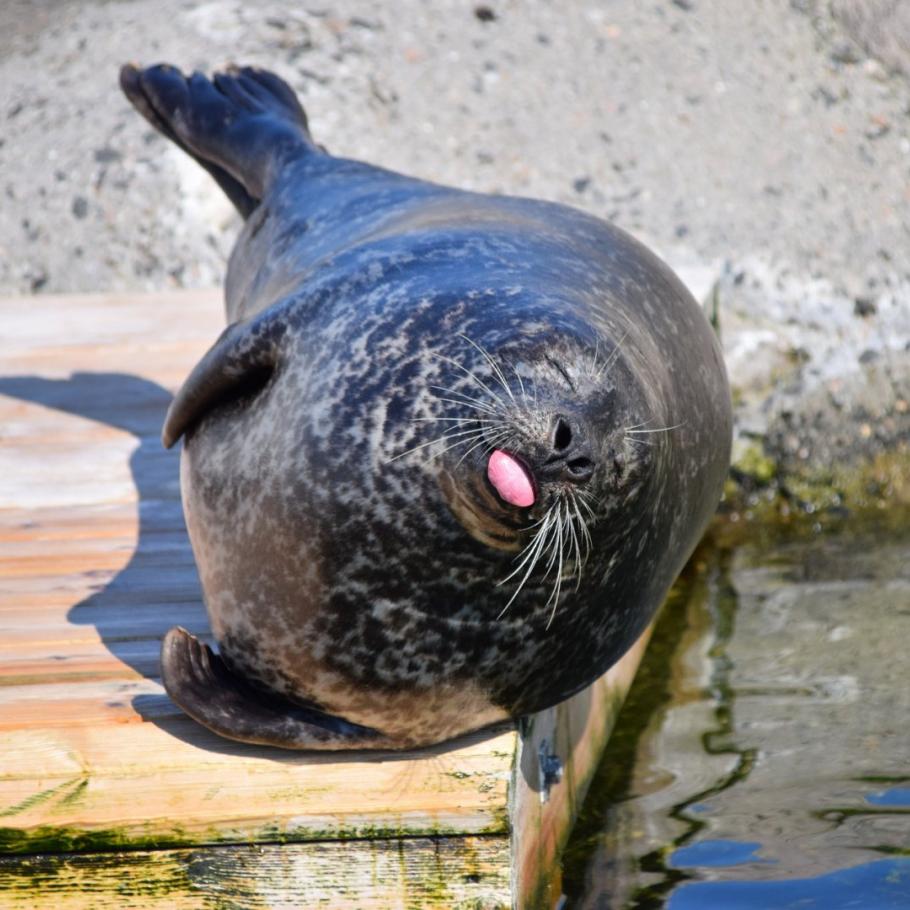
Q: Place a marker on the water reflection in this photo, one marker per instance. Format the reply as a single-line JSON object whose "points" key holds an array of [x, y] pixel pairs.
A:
{"points": [[882, 885], [763, 757], [716, 853], [896, 796]]}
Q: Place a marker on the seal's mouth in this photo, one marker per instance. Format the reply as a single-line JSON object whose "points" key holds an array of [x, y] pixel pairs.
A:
{"points": [[511, 479]]}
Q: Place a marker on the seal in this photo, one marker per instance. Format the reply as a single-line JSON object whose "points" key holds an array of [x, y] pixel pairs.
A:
{"points": [[447, 457]]}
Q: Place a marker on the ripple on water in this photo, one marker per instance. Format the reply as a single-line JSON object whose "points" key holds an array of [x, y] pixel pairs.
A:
{"points": [[763, 757], [881, 885], [896, 796]]}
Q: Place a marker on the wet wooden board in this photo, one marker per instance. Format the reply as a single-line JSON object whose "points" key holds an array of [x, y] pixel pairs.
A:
{"points": [[95, 566], [467, 872]]}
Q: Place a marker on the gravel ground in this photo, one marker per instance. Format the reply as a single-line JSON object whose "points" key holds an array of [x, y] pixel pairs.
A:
{"points": [[762, 148]]}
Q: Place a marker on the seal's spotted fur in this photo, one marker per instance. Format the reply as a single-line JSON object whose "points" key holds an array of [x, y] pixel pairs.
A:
{"points": [[361, 577]]}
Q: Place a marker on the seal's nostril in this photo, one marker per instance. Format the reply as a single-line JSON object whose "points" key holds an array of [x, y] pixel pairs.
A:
{"points": [[562, 436]]}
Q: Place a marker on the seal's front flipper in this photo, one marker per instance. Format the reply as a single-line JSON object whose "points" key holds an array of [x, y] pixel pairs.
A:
{"points": [[241, 126], [240, 361], [199, 681]]}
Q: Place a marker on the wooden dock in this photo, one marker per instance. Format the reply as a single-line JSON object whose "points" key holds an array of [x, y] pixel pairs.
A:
{"points": [[109, 796]]}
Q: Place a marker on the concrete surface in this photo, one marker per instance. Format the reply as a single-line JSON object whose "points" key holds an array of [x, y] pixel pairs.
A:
{"points": [[763, 148]]}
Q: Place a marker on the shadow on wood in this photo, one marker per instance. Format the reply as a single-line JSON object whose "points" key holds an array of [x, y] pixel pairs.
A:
{"points": [[159, 587]]}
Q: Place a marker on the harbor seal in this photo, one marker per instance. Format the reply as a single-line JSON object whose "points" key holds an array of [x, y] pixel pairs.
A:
{"points": [[447, 457]]}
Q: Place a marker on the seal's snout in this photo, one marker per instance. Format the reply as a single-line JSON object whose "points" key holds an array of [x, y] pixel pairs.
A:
{"points": [[510, 479], [571, 457], [566, 457]]}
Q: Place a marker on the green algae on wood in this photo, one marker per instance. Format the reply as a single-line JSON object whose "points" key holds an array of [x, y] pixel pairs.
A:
{"points": [[70, 839], [424, 873], [62, 792]]}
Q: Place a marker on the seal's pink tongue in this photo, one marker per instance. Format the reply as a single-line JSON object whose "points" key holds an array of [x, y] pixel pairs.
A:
{"points": [[510, 479]]}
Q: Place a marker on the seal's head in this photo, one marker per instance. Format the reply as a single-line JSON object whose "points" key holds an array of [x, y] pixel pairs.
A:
{"points": [[542, 442]]}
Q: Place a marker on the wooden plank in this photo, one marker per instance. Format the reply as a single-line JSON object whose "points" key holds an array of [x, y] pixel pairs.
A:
{"points": [[96, 521], [574, 733], [205, 790], [445, 873], [30, 662], [95, 567]]}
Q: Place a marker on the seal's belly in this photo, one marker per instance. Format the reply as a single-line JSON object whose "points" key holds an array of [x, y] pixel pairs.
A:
{"points": [[415, 715]]}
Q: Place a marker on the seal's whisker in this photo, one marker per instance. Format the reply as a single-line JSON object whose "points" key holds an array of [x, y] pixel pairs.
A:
{"points": [[530, 527], [468, 400], [576, 545], [485, 439], [500, 376], [512, 442], [460, 442], [534, 556], [586, 534], [490, 447], [615, 353], [554, 511], [557, 584], [542, 527], [572, 546], [583, 498], [489, 412], [480, 437], [455, 420], [593, 371], [501, 437], [477, 380], [489, 429], [644, 442], [553, 549], [467, 433], [531, 552], [472, 375], [675, 426], [521, 385]]}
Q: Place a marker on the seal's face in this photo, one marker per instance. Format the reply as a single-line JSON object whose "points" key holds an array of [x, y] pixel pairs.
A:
{"points": [[540, 449]]}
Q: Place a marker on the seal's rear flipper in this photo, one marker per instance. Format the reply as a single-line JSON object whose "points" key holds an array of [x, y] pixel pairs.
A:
{"points": [[240, 126], [199, 681]]}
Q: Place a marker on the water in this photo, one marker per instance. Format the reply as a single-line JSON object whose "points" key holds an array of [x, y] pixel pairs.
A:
{"points": [[762, 759]]}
